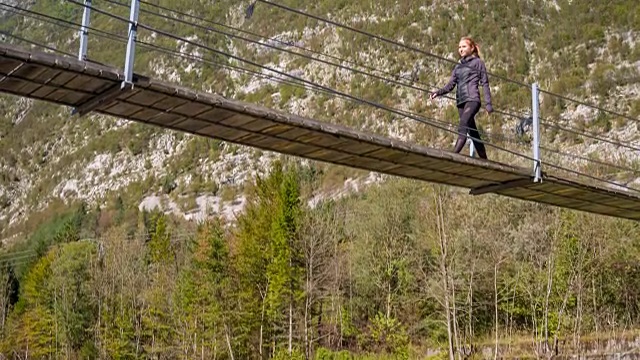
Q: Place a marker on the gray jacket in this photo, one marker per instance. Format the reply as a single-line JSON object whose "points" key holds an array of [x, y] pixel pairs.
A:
{"points": [[467, 75]]}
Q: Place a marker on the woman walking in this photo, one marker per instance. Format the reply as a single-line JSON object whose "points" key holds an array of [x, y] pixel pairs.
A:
{"points": [[467, 75]]}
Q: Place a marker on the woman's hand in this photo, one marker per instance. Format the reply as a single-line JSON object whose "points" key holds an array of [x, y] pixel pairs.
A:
{"points": [[489, 108], [432, 96]]}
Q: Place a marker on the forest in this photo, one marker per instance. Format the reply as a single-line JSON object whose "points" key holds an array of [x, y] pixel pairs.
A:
{"points": [[401, 270]]}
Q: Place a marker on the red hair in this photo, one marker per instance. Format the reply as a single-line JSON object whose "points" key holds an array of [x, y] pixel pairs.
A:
{"points": [[473, 44]]}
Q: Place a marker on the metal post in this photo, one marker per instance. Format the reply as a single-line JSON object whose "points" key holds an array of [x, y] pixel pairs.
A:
{"points": [[111, 94], [535, 103], [131, 44], [84, 32]]}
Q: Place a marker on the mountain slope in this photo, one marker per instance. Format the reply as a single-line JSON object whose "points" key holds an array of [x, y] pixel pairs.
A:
{"points": [[49, 156]]}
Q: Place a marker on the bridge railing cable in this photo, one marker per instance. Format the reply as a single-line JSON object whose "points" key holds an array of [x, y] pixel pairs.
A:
{"points": [[34, 43], [56, 21], [520, 86], [501, 137], [388, 76], [588, 135], [590, 160], [430, 87], [438, 57], [385, 40], [510, 114], [111, 36], [584, 166], [72, 25], [395, 80], [122, 39], [294, 77], [591, 106]]}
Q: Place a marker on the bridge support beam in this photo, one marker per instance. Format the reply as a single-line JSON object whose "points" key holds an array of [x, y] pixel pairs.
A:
{"points": [[519, 183], [131, 44], [535, 103], [106, 97], [113, 93]]}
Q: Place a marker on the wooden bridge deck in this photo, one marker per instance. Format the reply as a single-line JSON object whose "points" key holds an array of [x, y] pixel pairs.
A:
{"points": [[88, 86]]}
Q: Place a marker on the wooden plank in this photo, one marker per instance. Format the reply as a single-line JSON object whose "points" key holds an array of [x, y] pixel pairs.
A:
{"points": [[293, 133], [74, 98], [250, 138], [237, 120], [30, 88], [372, 164], [575, 183], [432, 176], [191, 109], [98, 86], [17, 86], [169, 103], [276, 130], [9, 65], [47, 76], [519, 183], [215, 115], [393, 155], [608, 200], [30, 71], [414, 159], [145, 97], [43, 92], [145, 114], [222, 132], [318, 138], [191, 125], [58, 95], [79, 82], [575, 192], [328, 155], [257, 125], [356, 147], [564, 200], [62, 78], [165, 118], [292, 148], [468, 171], [122, 109]]}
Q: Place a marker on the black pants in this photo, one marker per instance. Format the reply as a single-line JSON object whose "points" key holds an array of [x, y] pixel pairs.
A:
{"points": [[467, 112]]}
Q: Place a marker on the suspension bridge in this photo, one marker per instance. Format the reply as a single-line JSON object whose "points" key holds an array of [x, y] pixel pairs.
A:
{"points": [[87, 87]]}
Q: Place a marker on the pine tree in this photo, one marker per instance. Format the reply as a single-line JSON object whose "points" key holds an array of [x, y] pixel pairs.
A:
{"points": [[269, 261], [33, 331], [160, 243], [157, 325], [203, 296], [73, 307]]}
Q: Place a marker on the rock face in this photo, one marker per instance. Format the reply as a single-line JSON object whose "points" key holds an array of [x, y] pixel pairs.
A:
{"points": [[48, 155]]}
